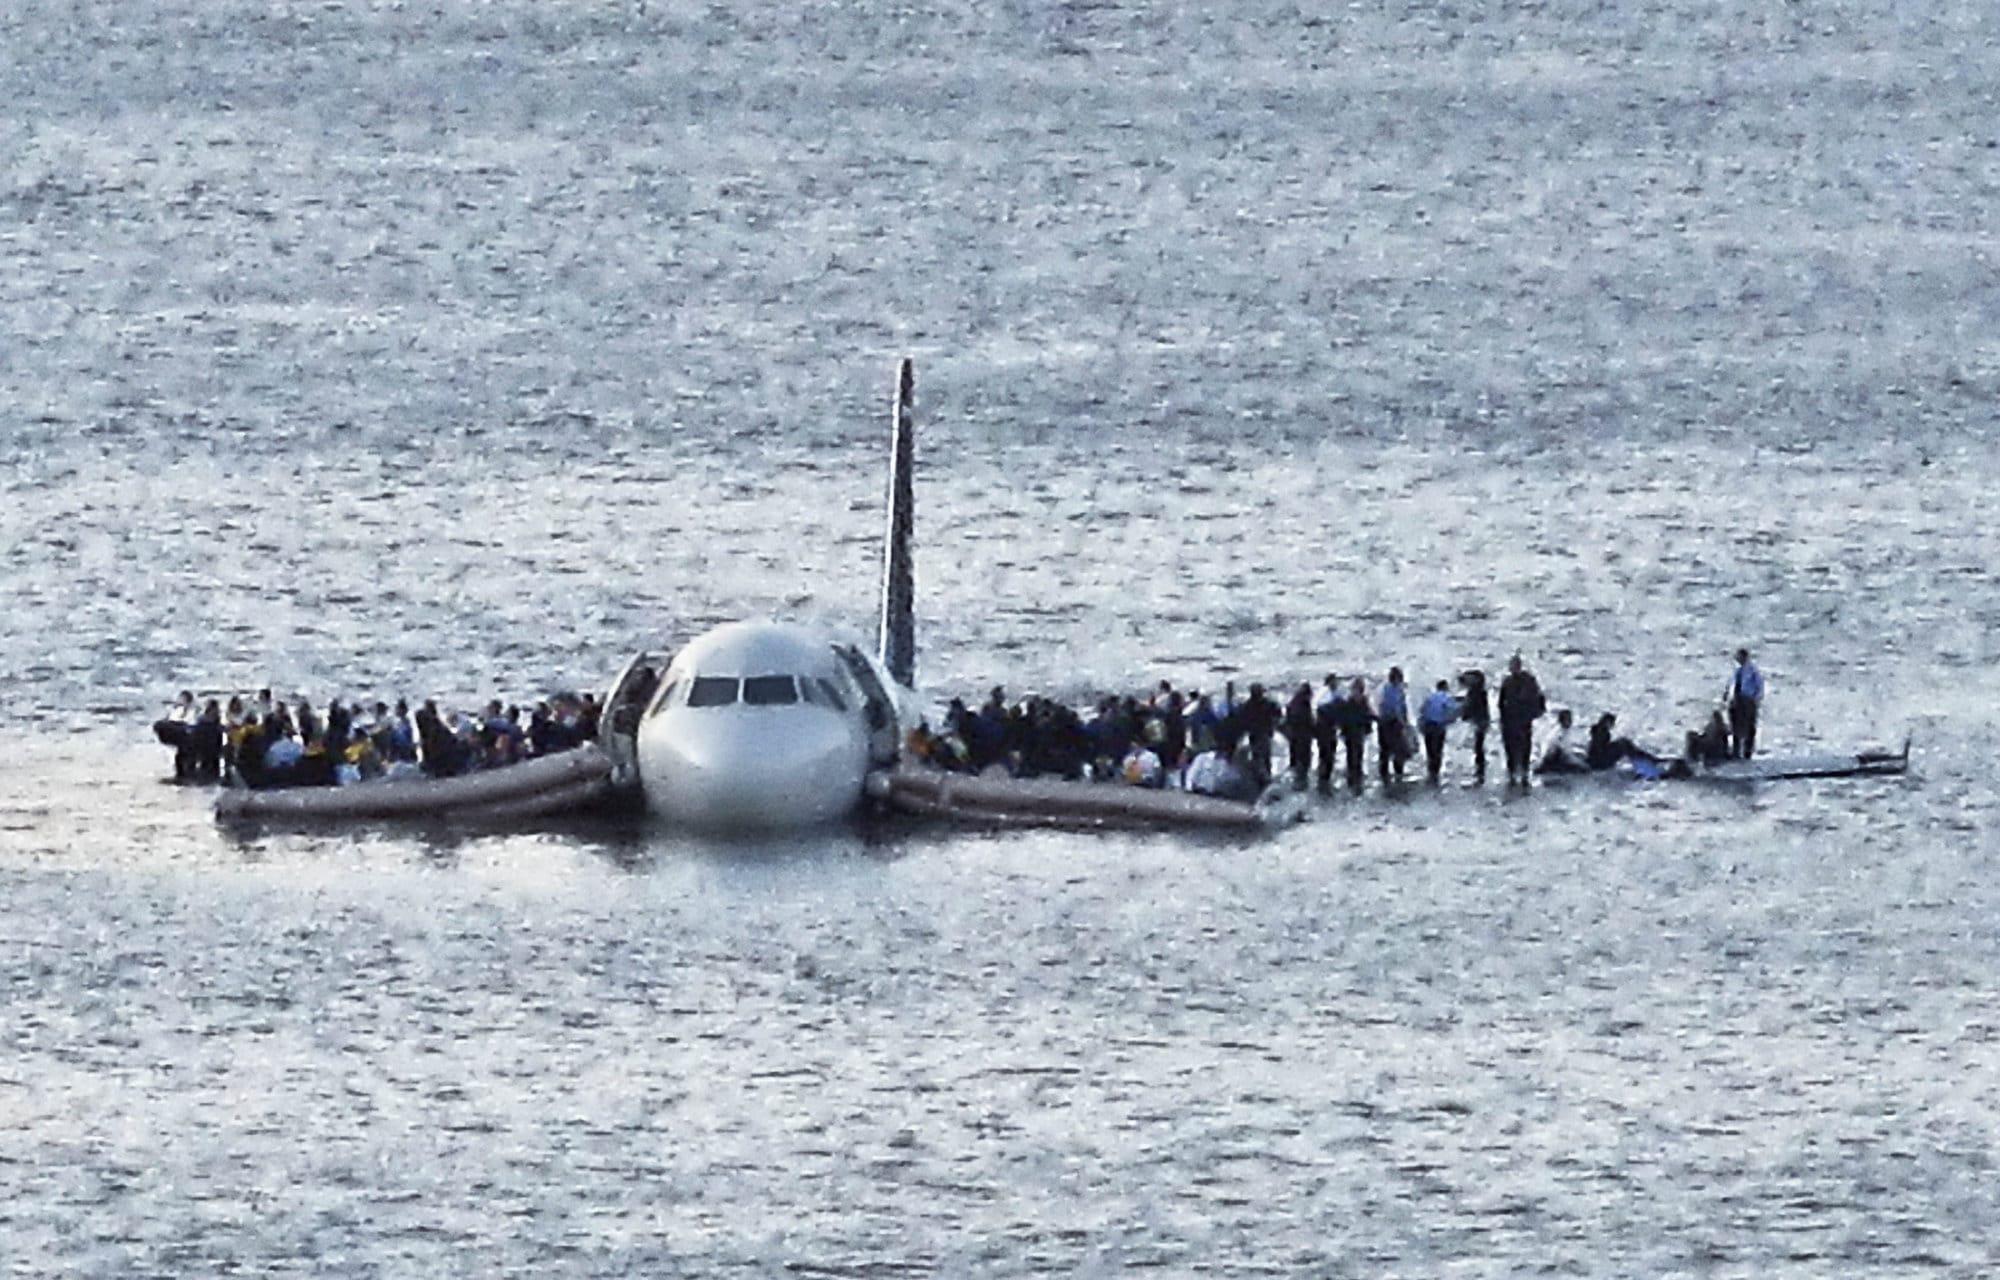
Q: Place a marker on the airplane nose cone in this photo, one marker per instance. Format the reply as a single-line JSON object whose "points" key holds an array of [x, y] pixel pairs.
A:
{"points": [[727, 771]]}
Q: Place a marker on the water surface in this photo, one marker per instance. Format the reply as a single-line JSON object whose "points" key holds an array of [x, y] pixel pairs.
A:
{"points": [[457, 349]]}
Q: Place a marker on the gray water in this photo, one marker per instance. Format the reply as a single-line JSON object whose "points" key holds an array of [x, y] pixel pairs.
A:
{"points": [[458, 348]]}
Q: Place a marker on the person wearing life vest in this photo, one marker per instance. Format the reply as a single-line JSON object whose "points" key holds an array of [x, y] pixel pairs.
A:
{"points": [[1141, 767]]}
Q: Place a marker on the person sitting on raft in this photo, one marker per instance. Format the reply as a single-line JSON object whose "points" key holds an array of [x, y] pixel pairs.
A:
{"points": [[360, 762], [1213, 773], [271, 757], [1561, 757], [1141, 767], [938, 750]]}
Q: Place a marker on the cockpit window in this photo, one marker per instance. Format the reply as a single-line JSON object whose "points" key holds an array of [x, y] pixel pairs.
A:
{"points": [[712, 691], [663, 698], [769, 691], [830, 693]]}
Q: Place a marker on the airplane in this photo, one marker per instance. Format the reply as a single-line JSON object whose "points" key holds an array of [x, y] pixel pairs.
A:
{"points": [[765, 725]]}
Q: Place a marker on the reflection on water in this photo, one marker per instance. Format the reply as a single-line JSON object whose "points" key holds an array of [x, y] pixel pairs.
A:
{"points": [[1610, 1026]]}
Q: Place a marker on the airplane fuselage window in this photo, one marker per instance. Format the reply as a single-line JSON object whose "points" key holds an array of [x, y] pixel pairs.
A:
{"points": [[769, 691], [712, 691]]}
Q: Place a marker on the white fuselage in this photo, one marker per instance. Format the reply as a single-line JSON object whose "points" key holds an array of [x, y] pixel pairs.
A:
{"points": [[760, 725]]}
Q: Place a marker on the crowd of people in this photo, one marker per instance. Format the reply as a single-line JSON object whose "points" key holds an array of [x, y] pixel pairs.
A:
{"points": [[1225, 744], [265, 742], [1221, 744]]}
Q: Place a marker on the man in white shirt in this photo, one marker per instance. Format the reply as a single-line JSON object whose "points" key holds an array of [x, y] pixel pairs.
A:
{"points": [[1204, 773], [176, 730], [1562, 755]]}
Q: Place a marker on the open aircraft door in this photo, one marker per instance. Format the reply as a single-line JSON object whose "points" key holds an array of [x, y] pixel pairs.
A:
{"points": [[624, 703], [885, 732]]}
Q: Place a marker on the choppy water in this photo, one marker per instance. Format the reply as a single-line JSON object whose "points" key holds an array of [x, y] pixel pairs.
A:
{"points": [[446, 348]]}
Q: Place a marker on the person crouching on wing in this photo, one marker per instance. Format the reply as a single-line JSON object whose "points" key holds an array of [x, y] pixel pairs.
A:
{"points": [[1709, 745], [1562, 755]]}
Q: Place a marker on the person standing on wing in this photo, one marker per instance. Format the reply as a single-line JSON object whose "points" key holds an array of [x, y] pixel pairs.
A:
{"points": [[1521, 704], [1439, 710], [1326, 730], [1392, 719], [1746, 693], [1299, 735], [1477, 711], [1355, 720]]}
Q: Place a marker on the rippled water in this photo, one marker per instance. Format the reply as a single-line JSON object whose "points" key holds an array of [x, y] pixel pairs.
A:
{"points": [[459, 348]]}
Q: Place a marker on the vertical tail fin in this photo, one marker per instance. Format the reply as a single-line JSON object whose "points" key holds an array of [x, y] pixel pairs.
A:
{"points": [[899, 628]]}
